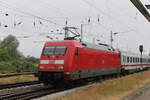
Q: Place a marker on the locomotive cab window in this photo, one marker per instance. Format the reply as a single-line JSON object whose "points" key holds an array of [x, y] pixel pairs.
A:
{"points": [[60, 50], [49, 50], [54, 50]]}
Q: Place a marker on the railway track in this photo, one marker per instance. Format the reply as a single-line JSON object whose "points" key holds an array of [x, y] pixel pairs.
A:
{"points": [[39, 92], [16, 74], [13, 85], [23, 95]]}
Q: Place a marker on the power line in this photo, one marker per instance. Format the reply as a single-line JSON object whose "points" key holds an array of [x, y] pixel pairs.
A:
{"points": [[50, 6], [26, 13], [98, 9]]}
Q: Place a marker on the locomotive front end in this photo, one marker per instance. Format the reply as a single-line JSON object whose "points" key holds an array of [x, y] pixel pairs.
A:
{"points": [[52, 64]]}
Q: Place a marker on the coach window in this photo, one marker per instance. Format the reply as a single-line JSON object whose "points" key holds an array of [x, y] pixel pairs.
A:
{"points": [[133, 59], [149, 60], [142, 60], [124, 59], [146, 60], [130, 59], [139, 60], [127, 59]]}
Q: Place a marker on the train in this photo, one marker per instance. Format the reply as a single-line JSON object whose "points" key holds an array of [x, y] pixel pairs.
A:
{"points": [[72, 60]]}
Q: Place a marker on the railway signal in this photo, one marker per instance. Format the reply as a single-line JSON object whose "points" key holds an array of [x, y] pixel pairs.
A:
{"points": [[141, 51]]}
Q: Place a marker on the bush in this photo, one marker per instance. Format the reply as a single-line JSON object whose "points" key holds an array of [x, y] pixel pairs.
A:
{"points": [[17, 66], [6, 67]]}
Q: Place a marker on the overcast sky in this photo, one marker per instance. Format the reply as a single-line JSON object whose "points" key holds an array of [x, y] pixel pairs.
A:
{"points": [[25, 19]]}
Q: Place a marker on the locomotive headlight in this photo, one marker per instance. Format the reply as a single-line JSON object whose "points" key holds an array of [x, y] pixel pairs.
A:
{"points": [[60, 67], [41, 67]]}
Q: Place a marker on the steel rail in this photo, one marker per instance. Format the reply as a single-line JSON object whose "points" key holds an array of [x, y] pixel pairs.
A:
{"points": [[19, 84]]}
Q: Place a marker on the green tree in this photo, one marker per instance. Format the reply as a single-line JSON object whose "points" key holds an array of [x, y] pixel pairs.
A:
{"points": [[11, 59], [11, 44], [4, 56], [32, 59]]}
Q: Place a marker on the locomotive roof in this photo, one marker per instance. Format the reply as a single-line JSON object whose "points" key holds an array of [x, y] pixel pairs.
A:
{"points": [[64, 41], [99, 46]]}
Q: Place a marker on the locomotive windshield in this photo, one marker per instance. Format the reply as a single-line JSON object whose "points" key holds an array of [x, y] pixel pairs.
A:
{"points": [[55, 50]]}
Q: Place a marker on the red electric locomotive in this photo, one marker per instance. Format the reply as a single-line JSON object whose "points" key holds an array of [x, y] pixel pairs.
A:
{"points": [[73, 60]]}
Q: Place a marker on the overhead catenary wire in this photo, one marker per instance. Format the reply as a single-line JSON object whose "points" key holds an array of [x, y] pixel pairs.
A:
{"points": [[50, 6], [101, 11], [36, 17], [26, 13]]}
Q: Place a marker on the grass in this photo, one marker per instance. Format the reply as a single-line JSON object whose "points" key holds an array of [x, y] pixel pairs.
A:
{"points": [[21, 78], [114, 89]]}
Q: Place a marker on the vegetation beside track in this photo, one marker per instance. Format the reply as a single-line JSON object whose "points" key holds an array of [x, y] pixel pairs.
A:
{"points": [[114, 89], [15, 79], [11, 60]]}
